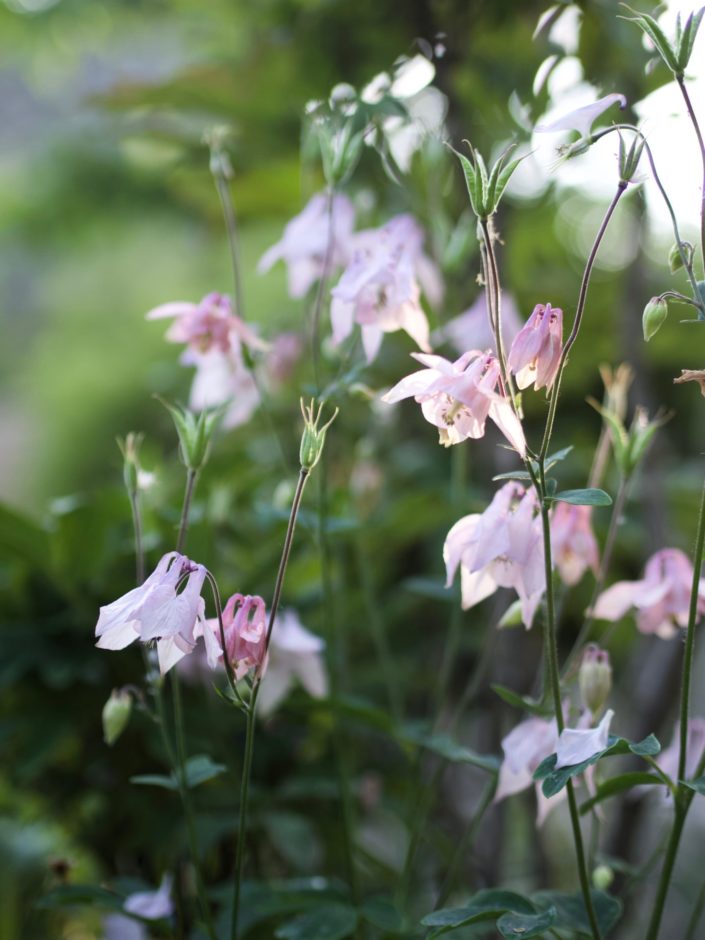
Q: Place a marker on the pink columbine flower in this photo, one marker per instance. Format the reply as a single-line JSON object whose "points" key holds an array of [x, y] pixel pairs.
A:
{"points": [[304, 245], [536, 350], [661, 598], [245, 629], [459, 396], [380, 289], [154, 611], [582, 119], [152, 905], [210, 324], [524, 748], [576, 745], [503, 547], [294, 656], [573, 542]]}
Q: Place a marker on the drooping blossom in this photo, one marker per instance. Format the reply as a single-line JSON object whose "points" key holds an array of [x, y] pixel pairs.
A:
{"points": [[458, 397], [294, 656], [154, 611], [152, 905], [669, 758], [524, 748], [381, 287], [472, 329], [536, 351], [594, 679], [661, 598], [576, 745], [502, 547], [582, 119], [573, 542], [304, 244], [214, 339], [245, 630]]}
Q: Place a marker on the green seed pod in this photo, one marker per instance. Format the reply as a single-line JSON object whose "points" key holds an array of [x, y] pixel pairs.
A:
{"points": [[655, 313]]}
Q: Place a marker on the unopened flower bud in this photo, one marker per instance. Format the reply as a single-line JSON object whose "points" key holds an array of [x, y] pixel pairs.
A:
{"points": [[116, 714], [313, 437], [595, 678], [131, 465], [602, 877], [676, 255], [194, 431], [654, 316]]}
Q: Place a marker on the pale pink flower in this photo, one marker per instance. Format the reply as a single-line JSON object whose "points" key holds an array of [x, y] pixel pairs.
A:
{"points": [[576, 745], [223, 379], [669, 758], [294, 656], [502, 547], [661, 599], [525, 747], [154, 611], [152, 905], [210, 324], [536, 350], [472, 328], [381, 287], [582, 119], [573, 542], [245, 629], [304, 245], [285, 351], [458, 397]]}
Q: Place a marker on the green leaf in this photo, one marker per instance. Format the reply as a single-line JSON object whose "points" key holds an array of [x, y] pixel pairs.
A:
{"points": [[526, 925], [698, 784], [687, 38], [586, 497], [471, 181], [201, 768], [381, 912], [649, 25], [571, 913], [619, 784], [155, 780], [501, 183], [485, 905], [450, 750], [330, 921], [522, 475], [559, 455], [198, 769], [524, 702], [554, 780]]}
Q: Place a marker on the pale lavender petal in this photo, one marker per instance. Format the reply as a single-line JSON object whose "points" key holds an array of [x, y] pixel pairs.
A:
{"points": [[613, 603], [582, 119], [411, 385], [176, 308], [576, 746], [152, 905], [475, 587]]}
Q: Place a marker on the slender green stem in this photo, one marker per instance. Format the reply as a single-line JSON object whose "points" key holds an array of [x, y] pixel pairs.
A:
{"points": [[137, 527], [191, 478], [252, 705], [701, 145], [555, 687], [226, 202], [494, 302], [683, 796], [321, 289], [580, 309], [466, 841]]}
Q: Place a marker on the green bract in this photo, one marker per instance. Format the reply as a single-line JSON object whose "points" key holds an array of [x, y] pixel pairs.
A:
{"points": [[486, 190]]}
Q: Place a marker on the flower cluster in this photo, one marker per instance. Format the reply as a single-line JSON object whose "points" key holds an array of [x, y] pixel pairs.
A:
{"points": [[661, 598], [381, 288], [458, 397]]}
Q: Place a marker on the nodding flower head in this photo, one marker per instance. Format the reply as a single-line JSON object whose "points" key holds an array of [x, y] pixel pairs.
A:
{"points": [[536, 351], [245, 629]]}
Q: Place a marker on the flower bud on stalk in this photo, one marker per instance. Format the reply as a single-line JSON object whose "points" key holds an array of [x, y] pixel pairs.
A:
{"points": [[116, 714], [131, 464], [654, 316], [313, 437], [595, 678]]}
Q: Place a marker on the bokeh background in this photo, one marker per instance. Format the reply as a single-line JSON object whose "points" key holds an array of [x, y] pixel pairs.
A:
{"points": [[107, 208]]}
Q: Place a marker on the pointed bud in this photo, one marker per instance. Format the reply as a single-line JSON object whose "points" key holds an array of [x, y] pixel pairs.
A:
{"points": [[131, 465], [629, 157], [655, 313], [679, 255], [116, 714], [595, 678], [194, 431], [313, 437]]}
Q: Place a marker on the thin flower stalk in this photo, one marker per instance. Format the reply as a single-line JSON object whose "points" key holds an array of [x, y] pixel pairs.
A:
{"points": [[321, 289], [701, 145], [684, 795]]}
